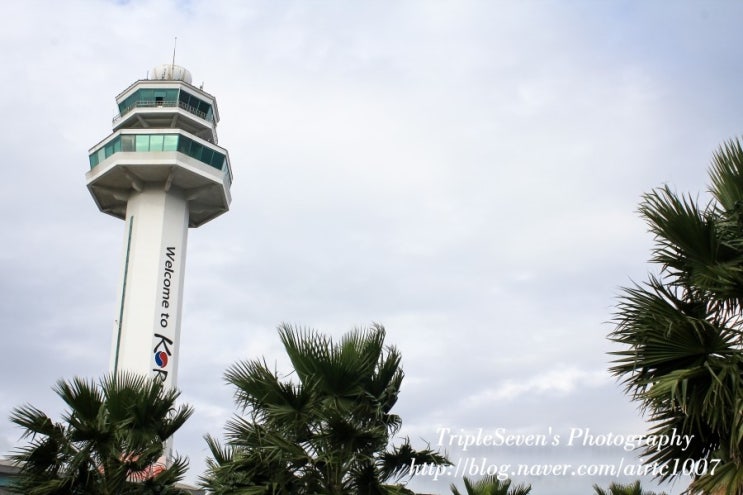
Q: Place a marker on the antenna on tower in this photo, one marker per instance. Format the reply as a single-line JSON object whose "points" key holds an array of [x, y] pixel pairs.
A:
{"points": [[175, 43]]}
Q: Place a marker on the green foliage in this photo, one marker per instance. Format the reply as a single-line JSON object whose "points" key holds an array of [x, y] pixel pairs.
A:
{"points": [[329, 431], [491, 485], [628, 489], [681, 330], [113, 429]]}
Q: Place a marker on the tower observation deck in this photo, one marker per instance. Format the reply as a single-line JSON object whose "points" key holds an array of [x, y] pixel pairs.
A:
{"points": [[161, 171]]}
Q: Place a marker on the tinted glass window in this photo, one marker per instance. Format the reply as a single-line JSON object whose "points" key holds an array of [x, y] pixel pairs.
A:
{"points": [[142, 142], [170, 142], [156, 142]]}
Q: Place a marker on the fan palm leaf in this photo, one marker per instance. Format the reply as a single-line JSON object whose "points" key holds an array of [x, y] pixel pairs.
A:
{"points": [[615, 488], [490, 485]]}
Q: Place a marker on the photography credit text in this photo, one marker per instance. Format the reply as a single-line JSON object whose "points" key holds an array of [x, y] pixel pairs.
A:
{"points": [[574, 437]]}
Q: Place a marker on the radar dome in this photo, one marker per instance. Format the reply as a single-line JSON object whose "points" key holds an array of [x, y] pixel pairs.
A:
{"points": [[170, 72]]}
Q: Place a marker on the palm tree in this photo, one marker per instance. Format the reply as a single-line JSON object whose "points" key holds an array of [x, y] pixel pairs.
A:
{"points": [[620, 489], [109, 442], [491, 485], [329, 431], [682, 329]]}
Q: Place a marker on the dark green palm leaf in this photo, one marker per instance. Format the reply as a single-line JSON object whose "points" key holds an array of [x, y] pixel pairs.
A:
{"points": [[491, 485]]}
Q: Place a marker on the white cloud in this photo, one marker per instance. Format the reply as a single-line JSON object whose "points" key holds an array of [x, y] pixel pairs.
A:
{"points": [[561, 381]]}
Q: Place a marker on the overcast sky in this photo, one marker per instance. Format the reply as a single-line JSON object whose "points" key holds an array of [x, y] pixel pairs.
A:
{"points": [[465, 173]]}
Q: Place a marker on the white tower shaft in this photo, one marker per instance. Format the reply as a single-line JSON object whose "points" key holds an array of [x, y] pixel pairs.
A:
{"points": [[146, 334]]}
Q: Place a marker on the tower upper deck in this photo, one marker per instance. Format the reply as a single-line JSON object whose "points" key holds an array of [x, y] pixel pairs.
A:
{"points": [[167, 99], [165, 135]]}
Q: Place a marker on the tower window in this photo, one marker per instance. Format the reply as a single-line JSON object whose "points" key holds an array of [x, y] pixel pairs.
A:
{"points": [[159, 142]]}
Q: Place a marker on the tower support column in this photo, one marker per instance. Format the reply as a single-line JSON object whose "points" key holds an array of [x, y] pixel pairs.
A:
{"points": [[147, 332]]}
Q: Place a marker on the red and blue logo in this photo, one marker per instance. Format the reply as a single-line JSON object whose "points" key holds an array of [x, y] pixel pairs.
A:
{"points": [[161, 358], [162, 354]]}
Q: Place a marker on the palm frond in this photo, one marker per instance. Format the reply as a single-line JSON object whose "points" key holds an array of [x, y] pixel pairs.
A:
{"points": [[726, 176], [396, 463], [491, 485]]}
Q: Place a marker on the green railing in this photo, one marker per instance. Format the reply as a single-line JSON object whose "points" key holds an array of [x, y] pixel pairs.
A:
{"points": [[163, 103]]}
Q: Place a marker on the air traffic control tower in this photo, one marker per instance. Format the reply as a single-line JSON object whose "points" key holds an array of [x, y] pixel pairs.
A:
{"points": [[161, 171]]}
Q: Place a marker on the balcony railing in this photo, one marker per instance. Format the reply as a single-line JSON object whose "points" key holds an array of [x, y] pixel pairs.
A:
{"points": [[165, 103]]}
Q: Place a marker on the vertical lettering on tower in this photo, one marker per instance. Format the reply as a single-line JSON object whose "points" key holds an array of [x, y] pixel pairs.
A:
{"points": [[166, 315]]}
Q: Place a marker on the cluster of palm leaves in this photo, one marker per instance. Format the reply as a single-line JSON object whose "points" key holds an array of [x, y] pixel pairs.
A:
{"points": [[112, 435], [491, 485], [681, 330], [615, 488], [327, 428]]}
